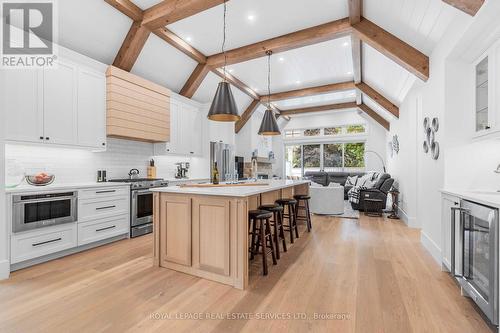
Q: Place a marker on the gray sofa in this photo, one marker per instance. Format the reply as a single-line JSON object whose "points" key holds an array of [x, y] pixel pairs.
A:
{"points": [[379, 191]]}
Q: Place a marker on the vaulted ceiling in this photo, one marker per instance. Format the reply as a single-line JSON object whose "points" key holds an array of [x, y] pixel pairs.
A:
{"points": [[176, 43]]}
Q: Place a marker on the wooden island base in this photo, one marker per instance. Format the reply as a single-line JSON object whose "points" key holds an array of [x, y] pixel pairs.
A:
{"points": [[207, 235]]}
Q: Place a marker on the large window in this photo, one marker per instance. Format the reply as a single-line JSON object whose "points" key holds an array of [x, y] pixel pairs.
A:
{"points": [[293, 158], [345, 130], [335, 156]]}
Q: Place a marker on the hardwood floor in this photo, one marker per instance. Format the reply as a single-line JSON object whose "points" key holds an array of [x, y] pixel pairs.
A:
{"points": [[370, 275]]}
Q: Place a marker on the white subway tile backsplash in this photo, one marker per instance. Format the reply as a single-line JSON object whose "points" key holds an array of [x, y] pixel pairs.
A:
{"points": [[75, 165]]}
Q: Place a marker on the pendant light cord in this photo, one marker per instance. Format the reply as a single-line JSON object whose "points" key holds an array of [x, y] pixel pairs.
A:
{"points": [[224, 41], [269, 53]]}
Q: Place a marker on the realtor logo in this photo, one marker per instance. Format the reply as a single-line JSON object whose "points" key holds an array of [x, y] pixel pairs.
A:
{"points": [[28, 32]]}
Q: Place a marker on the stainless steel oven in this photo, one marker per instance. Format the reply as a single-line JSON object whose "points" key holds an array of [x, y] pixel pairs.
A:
{"points": [[142, 207], [474, 255], [32, 211]]}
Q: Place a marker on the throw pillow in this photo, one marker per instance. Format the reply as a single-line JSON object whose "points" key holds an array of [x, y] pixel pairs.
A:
{"points": [[313, 184], [364, 179], [351, 181], [334, 185]]}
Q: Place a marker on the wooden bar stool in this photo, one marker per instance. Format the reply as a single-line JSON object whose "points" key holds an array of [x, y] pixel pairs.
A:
{"points": [[289, 213], [304, 199], [277, 223], [261, 236]]}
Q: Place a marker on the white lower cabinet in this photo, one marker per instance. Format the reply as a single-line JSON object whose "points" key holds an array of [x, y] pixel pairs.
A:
{"points": [[91, 209], [103, 213], [447, 203], [99, 229], [40, 242]]}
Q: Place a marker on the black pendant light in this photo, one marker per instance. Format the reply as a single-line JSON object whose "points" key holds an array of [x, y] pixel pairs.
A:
{"points": [[223, 106], [269, 126]]}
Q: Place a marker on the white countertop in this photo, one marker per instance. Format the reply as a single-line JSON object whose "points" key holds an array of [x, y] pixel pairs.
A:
{"points": [[488, 198], [24, 188], [236, 191], [178, 180]]}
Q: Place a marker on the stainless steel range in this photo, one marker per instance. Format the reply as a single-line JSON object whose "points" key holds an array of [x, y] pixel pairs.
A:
{"points": [[141, 203]]}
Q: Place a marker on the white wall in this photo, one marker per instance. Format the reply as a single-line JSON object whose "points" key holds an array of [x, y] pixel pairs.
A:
{"points": [[403, 165], [248, 139], [77, 165], [375, 137], [4, 260], [447, 95]]}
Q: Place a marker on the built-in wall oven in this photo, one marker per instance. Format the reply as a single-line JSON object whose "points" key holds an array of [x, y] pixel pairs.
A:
{"points": [[37, 210], [474, 254]]}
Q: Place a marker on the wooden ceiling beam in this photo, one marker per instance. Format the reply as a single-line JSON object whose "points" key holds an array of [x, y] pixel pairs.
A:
{"points": [[305, 37], [128, 8], [375, 116], [194, 81], [389, 45], [131, 46], [355, 15], [329, 107], [237, 83], [170, 11], [245, 116], [470, 7], [328, 88], [378, 98], [177, 42]]}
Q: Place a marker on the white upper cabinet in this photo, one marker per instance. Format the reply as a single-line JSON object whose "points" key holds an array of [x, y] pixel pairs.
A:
{"points": [[22, 99], [65, 105], [90, 108], [185, 129], [486, 78], [59, 104]]}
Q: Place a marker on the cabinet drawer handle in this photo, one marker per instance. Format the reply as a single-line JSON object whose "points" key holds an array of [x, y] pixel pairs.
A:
{"points": [[107, 228], [106, 207], [107, 191], [47, 138], [46, 242]]}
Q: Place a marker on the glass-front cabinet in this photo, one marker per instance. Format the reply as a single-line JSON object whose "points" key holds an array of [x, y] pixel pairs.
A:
{"points": [[482, 105], [486, 87]]}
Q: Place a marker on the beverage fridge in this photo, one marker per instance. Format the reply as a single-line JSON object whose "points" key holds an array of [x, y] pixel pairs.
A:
{"points": [[223, 154]]}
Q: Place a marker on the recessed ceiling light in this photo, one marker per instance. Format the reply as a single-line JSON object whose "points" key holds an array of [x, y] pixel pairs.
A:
{"points": [[281, 59], [345, 44], [349, 73], [297, 82], [188, 39], [230, 70], [251, 17]]}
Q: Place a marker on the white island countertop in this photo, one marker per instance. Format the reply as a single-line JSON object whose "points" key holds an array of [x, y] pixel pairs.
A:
{"points": [[261, 186]]}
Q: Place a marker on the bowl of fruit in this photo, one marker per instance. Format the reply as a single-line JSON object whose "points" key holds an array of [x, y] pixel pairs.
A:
{"points": [[40, 179]]}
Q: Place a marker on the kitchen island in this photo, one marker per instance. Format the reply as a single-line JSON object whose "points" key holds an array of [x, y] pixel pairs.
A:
{"points": [[203, 231]]}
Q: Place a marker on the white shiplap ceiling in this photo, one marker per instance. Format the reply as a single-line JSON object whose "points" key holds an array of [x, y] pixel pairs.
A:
{"points": [[271, 18], [96, 29], [310, 66]]}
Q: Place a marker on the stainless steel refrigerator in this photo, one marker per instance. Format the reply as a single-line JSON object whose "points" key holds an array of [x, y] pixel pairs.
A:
{"points": [[223, 154]]}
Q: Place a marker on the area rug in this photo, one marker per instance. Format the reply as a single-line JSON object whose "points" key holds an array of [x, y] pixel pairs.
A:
{"points": [[349, 213]]}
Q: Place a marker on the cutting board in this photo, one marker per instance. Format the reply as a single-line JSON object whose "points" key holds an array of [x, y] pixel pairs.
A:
{"points": [[222, 185]]}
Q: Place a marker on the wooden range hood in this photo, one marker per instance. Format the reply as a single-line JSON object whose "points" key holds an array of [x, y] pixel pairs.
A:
{"points": [[137, 109]]}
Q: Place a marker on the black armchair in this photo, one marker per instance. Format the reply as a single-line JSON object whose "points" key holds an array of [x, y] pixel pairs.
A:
{"points": [[377, 192]]}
